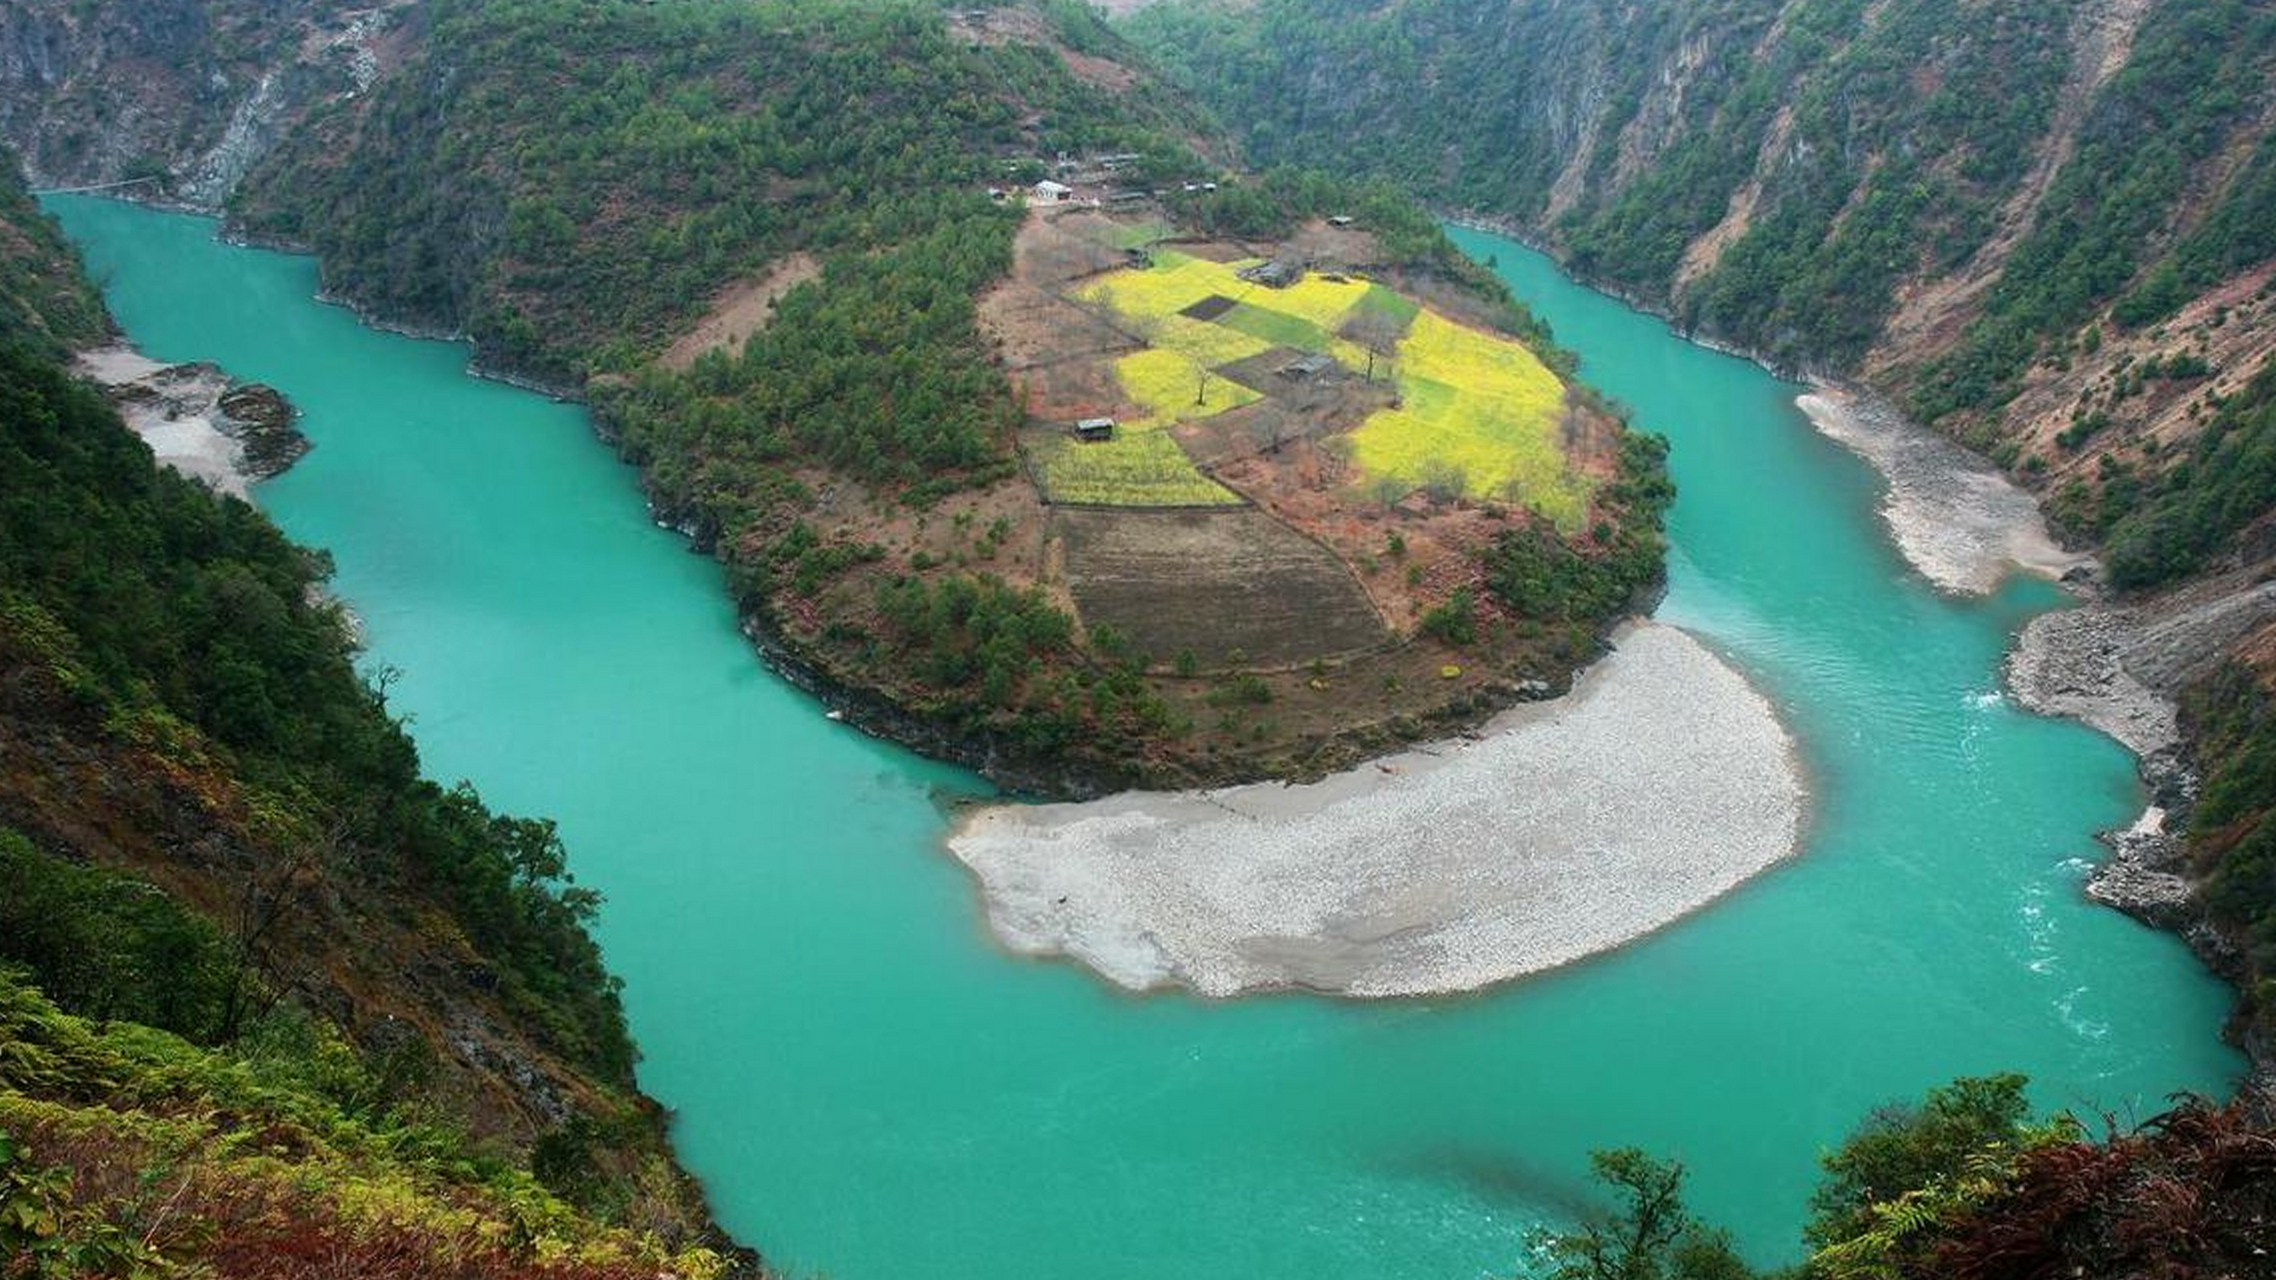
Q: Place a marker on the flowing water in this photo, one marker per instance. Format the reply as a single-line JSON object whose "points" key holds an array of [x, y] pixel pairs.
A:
{"points": [[871, 1090]]}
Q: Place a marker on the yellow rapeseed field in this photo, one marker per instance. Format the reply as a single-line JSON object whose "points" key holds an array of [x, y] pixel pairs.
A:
{"points": [[1479, 410], [1172, 284], [1141, 467], [1168, 383], [1316, 298], [1210, 345]]}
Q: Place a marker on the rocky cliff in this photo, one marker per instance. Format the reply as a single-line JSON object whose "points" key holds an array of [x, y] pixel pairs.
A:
{"points": [[180, 97]]}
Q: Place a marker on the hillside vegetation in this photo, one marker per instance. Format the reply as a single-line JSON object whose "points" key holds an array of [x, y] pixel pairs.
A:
{"points": [[1967, 1184], [46, 303], [568, 181], [272, 1003], [1991, 213]]}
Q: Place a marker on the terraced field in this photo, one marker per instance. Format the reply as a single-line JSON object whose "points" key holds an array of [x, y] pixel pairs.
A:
{"points": [[1477, 414], [1248, 511]]}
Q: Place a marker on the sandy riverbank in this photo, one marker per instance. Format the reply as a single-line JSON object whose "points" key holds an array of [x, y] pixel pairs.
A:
{"points": [[1956, 518], [1563, 829]]}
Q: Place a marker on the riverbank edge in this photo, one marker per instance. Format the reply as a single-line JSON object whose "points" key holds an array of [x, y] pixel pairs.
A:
{"points": [[873, 711], [1041, 777], [187, 406], [2146, 875]]}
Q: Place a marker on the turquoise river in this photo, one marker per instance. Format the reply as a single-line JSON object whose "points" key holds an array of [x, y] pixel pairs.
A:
{"points": [[871, 1089]]}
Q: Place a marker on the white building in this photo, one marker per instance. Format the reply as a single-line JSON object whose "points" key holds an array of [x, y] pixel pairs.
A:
{"points": [[1050, 192]]}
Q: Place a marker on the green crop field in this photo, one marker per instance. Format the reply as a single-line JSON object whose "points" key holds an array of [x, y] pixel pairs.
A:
{"points": [[1392, 311], [1276, 328]]}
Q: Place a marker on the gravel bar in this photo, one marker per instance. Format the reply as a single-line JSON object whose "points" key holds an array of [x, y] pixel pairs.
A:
{"points": [[1563, 829]]}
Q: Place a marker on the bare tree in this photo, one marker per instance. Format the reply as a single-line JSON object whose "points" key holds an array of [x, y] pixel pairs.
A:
{"points": [[270, 894]]}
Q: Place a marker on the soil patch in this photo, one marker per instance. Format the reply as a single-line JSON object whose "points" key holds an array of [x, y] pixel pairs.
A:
{"points": [[1216, 583], [744, 309], [1209, 308]]}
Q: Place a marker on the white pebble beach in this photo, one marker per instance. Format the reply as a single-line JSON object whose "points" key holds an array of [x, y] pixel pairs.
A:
{"points": [[1563, 829]]}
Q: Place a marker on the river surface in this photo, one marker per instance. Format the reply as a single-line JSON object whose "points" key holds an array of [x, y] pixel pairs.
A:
{"points": [[871, 1090]]}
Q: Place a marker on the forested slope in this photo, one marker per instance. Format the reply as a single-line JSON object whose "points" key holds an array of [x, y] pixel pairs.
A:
{"points": [[571, 182], [270, 999], [46, 303], [1966, 203]]}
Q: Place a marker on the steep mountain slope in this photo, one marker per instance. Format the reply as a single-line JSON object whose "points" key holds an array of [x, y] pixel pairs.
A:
{"points": [[570, 182], [46, 302], [241, 940], [179, 97], [1939, 200]]}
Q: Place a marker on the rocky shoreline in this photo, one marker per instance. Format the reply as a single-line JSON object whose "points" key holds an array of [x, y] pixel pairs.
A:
{"points": [[2120, 667], [2116, 667], [198, 420]]}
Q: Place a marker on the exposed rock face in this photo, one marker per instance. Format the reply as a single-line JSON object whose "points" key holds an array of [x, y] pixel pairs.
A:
{"points": [[187, 94], [261, 420], [2142, 877], [2119, 666]]}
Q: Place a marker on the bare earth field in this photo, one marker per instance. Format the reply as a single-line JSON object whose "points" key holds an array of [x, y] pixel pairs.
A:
{"points": [[1217, 583]]}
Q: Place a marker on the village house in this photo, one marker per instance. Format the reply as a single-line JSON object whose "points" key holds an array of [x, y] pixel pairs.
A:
{"points": [[1275, 274], [1306, 368], [1094, 430], [1050, 192]]}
